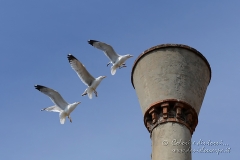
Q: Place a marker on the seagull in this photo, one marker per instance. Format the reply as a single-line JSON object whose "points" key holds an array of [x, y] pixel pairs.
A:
{"points": [[61, 105], [85, 76], [116, 60]]}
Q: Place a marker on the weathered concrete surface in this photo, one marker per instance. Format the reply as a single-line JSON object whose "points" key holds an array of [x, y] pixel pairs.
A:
{"points": [[171, 141], [171, 73]]}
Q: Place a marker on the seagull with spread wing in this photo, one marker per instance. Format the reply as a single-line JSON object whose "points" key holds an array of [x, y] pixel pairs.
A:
{"points": [[116, 60], [61, 105], [85, 76]]}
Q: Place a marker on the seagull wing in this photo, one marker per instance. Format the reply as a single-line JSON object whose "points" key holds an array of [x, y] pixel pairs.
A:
{"points": [[81, 71], [106, 48], [54, 96], [52, 109]]}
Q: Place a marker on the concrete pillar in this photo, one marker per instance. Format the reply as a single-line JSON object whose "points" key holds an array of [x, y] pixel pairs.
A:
{"points": [[170, 81]]}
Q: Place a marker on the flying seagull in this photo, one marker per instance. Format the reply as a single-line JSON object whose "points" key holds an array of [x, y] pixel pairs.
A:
{"points": [[85, 76], [116, 60], [61, 105]]}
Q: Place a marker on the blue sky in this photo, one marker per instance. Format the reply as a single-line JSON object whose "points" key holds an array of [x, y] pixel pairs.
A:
{"points": [[35, 38]]}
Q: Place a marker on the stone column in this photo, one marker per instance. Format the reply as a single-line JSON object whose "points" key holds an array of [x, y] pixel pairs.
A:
{"points": [[170, 81]]}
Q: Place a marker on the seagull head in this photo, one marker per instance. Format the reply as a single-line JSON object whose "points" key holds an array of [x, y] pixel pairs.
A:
{"points": [[125, 57], [74, 105], [129, 56], [102, 77]]}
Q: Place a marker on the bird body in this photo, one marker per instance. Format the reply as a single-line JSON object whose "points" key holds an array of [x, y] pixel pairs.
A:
{"points": [[85, 76], [66, 113], [93, 87], [61, 106], [117, 61]]}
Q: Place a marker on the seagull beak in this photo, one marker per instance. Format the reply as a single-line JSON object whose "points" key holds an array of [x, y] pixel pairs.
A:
{"points": [[130, 55], [104, 76]]}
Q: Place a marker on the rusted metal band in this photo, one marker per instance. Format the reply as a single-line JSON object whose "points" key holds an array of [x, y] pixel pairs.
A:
{"points": [[170, 110], [168, 46]]}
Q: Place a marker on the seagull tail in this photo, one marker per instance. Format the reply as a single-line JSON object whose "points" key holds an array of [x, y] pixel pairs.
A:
{"points": [[62, 117], [89, 92], [113, 70]]}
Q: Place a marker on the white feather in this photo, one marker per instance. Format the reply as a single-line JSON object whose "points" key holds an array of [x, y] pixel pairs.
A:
{"points": [[85, 76], [61, 105], [116, 59]]}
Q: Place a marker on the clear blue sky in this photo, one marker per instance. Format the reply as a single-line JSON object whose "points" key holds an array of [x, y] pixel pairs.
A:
{"points": [[35, 38]]}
